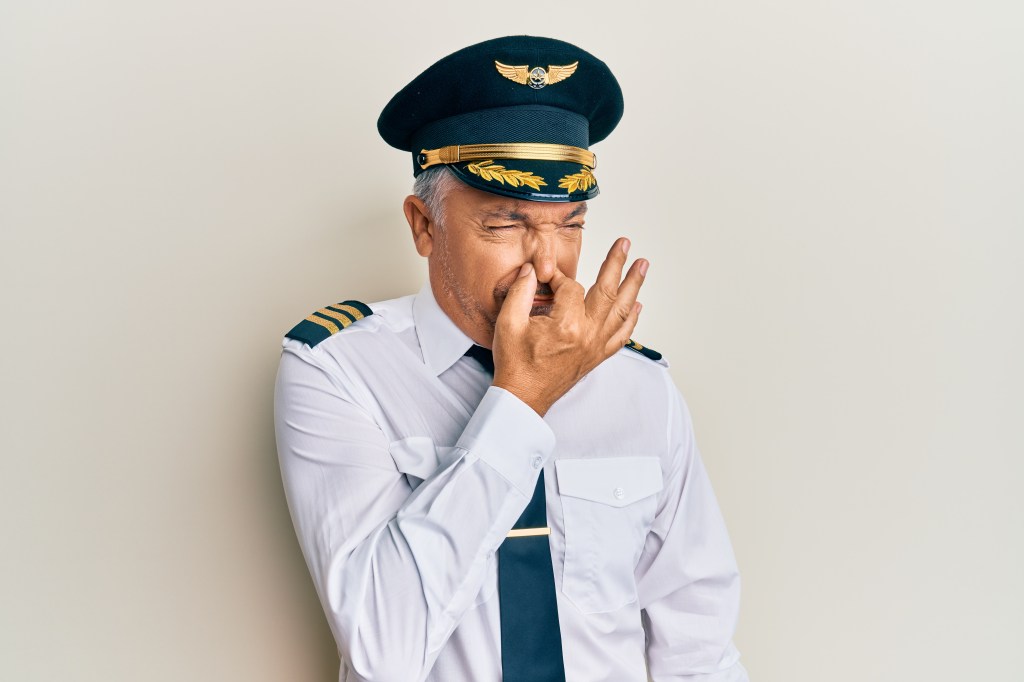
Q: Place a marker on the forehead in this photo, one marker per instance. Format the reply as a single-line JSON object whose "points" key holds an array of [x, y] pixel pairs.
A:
{"points": [[482, 205]]}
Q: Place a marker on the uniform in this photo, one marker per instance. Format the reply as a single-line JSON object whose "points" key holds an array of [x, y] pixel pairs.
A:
{"points": [[407, 474], [404, 470]]}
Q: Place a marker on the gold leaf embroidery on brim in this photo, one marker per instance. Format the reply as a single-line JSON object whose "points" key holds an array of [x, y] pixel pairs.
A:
{"points": [[488, 170], [578, 182]]}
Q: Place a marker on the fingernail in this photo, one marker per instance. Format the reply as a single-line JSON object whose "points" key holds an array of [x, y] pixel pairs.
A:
{"points": [[643, 268], [625, 246], [639, 307], [526, 269]]}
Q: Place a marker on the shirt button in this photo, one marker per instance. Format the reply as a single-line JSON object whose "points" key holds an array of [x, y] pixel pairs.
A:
{"points": [[619, 493], [537, 461]]}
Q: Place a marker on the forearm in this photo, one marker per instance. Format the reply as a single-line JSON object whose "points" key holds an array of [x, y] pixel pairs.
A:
{"points": [[396, 569]]}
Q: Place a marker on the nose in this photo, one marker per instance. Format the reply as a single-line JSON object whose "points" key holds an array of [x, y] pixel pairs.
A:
{"points": [[543, 254]]}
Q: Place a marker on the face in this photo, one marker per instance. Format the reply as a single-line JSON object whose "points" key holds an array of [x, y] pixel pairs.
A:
{"points": [[476, 254]]}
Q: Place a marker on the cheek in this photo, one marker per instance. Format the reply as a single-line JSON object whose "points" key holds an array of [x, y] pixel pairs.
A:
{"points": [[569, 256], [484, 266], [498, 268]]}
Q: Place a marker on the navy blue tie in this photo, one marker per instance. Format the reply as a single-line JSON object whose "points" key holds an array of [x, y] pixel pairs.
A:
{"points": [[531, 641]]}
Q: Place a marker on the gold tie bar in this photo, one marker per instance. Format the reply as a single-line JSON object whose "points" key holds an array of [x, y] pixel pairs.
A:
{"points": [[528, 532]]}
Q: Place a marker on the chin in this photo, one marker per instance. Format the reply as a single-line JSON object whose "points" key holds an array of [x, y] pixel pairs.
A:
{"points": [[541, 310]]}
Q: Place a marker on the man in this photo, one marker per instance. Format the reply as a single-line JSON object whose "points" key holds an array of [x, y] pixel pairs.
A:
{"points": [[489, 479]]}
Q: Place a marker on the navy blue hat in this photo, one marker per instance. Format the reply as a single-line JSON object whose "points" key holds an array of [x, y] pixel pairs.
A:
{"points": [[514, 116]]}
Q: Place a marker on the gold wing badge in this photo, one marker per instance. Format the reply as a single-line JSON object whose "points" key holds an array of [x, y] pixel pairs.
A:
{"points": [[537, 77]]}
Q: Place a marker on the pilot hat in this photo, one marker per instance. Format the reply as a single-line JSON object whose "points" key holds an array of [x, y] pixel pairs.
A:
{"points": [[513, 116]]}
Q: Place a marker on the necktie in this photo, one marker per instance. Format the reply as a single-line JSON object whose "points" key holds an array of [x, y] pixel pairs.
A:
{"points": [[531, 642]]}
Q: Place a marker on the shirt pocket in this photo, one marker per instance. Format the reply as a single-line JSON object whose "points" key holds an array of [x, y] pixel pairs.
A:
{"points": [[608, 506]]}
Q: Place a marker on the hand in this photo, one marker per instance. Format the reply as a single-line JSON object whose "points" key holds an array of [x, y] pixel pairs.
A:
{"points": [[540, 358]]}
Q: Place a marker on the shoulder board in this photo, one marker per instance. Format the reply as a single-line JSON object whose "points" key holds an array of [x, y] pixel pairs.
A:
{"points": [[328, 321], [649, 353]]}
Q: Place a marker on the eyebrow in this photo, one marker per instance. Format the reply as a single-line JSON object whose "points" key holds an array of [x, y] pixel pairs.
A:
{"points": [[580, 209], [514, 216], [506, 214]]}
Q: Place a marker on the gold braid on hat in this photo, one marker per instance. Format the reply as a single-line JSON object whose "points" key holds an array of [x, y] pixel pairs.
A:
{"points": [[534, 151]]}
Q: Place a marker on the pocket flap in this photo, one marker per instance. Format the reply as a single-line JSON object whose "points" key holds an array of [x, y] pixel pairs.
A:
{"points": [[615, 481]]}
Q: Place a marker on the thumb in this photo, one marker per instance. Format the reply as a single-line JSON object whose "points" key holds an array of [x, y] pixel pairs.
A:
{"points": [[519, 301]]}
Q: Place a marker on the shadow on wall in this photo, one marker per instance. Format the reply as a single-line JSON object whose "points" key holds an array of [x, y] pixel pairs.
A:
{"points": [[371, 254]]}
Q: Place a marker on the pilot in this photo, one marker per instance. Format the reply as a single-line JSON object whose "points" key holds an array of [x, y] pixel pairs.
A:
{"points": [[489, 479]]}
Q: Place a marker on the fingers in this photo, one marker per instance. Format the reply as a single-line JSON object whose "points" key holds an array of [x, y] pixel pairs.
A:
{"points": [[568, 295], [602, 295], [627, 292], [519, 301], [625, 331], [558, 280]]}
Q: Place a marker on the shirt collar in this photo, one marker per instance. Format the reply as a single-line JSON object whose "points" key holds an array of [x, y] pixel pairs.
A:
{"points": [[441, 342]]}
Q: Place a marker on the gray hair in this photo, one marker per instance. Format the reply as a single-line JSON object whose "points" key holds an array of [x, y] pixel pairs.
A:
{"points": [[432, 187]]}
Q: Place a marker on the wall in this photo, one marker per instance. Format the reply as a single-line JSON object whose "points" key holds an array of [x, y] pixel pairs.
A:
{"points": [[830, 194]]}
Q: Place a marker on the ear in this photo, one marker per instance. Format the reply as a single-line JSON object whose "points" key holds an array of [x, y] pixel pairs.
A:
{"points": [[420, 223]]}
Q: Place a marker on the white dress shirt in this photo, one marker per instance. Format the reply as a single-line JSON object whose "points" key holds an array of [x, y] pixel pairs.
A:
{"points": [[404, 470]]}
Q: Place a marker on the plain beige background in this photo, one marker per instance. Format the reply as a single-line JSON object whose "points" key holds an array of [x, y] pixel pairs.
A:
{"points": [[830, 193]]}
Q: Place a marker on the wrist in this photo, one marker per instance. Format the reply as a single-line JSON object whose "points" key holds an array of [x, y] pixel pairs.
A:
{"points": [[531, 396]]}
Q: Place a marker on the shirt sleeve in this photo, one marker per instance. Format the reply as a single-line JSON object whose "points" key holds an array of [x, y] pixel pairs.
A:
{"points": [[396, 569], [687, 579]]}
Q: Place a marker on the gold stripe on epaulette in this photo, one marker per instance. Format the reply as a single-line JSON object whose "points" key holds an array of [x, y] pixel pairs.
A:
{"points": [[344, 319], [350, 309], [326, 324]]}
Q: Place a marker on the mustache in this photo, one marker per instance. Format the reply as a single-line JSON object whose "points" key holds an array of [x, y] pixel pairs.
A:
{"points": [[543, 290]]}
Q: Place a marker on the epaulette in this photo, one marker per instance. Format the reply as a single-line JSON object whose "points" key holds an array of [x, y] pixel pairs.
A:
{"points": [[328, 321], [643, 350]]}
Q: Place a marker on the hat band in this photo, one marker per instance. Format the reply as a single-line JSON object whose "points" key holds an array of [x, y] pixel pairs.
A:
{"points": [[524, 150]]}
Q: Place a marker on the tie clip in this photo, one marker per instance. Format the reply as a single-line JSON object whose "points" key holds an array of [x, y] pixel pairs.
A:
{"points": [[528, 532]]}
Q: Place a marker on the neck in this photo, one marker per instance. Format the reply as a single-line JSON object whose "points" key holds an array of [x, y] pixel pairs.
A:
{"points": [[463, 312]]}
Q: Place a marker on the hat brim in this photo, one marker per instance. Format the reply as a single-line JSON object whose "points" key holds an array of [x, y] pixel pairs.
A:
{"points": [[528, 179]]}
